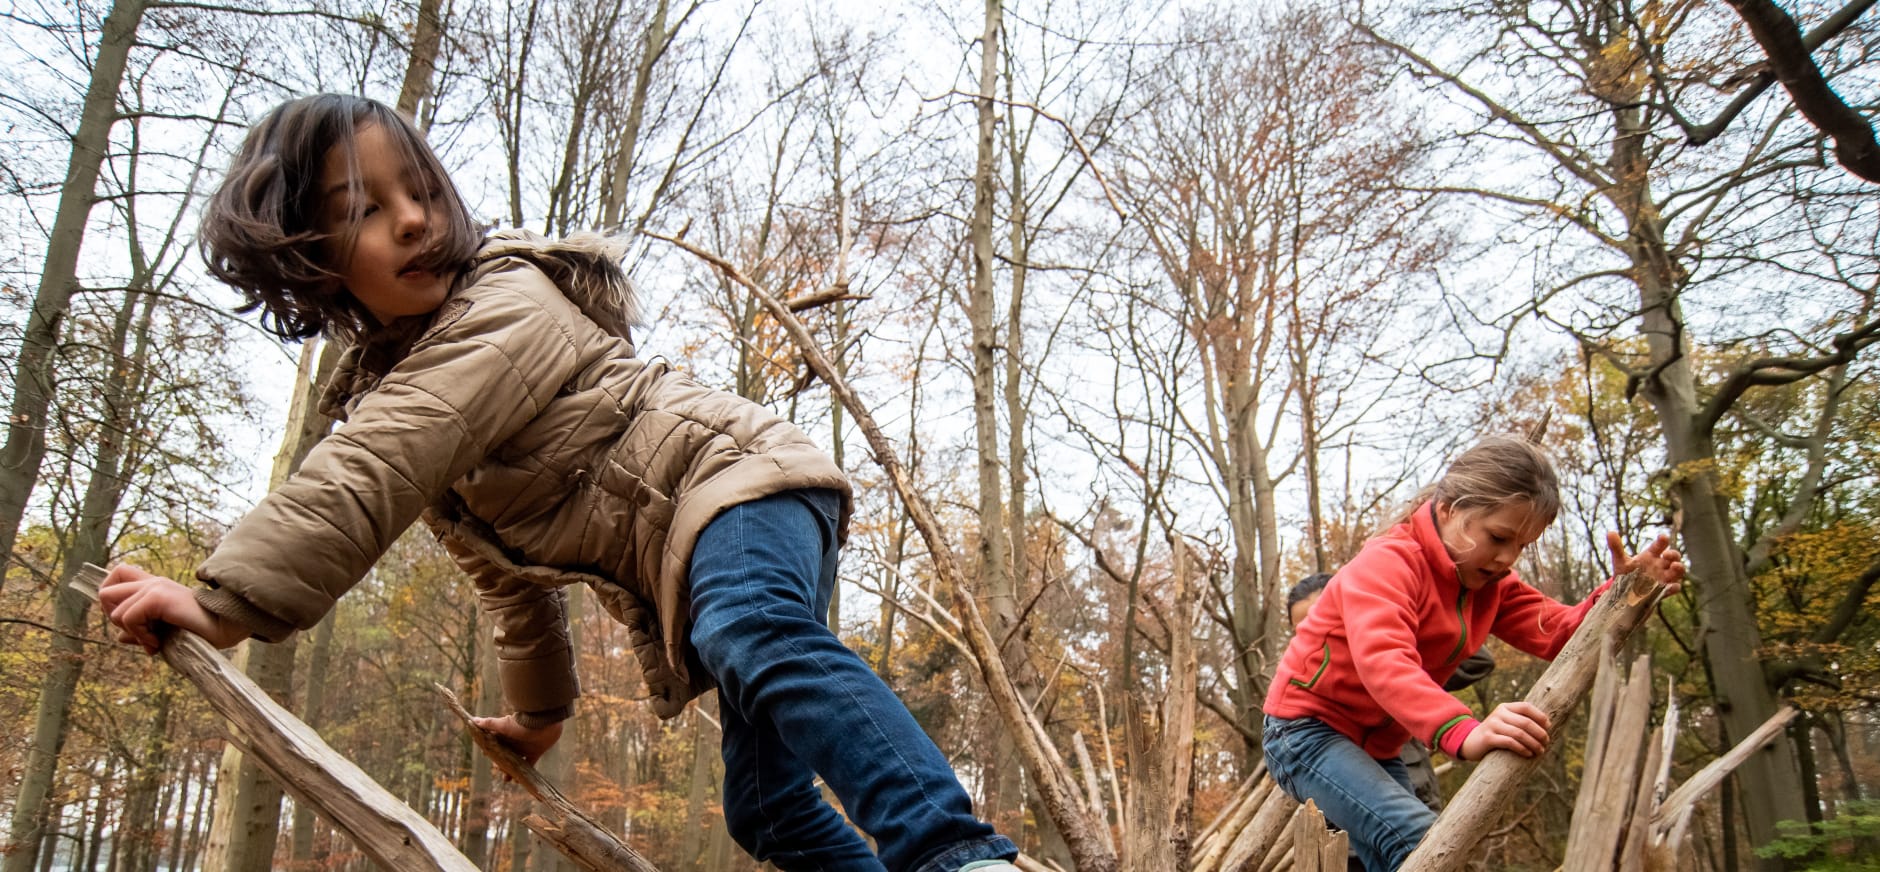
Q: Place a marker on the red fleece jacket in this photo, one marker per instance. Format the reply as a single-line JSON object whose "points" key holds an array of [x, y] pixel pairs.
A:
{"points": [[1371, 657]]}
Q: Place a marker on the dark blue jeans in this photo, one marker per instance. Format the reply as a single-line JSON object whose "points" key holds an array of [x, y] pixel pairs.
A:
{"points": [[795, 703], [1370, 799]]}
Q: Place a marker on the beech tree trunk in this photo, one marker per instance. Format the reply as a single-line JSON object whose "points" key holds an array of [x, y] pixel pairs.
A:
{"points": [[25, 447]]}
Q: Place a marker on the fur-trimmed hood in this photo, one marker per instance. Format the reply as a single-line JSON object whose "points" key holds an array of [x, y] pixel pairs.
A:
{"points": [[586, 266]]}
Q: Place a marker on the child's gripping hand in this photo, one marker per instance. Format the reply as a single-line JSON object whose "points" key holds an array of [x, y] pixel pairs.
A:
{"points": [[1520, 727], [139, 603], [530, 743], [1659, 561]]}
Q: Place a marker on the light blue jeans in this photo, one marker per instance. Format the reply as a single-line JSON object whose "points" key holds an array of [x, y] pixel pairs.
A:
{"points": [[1370, 799], [795, 703]]}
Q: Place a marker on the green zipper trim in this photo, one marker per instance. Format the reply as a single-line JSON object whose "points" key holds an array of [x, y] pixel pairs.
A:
{"points": [[1316, 675], [1461, 619], [1436, 741]]}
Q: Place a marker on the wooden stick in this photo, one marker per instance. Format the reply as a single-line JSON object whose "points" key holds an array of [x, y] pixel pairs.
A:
{"points": [[576, 835], [1679, 804], [380, 825], [1479, 805]]}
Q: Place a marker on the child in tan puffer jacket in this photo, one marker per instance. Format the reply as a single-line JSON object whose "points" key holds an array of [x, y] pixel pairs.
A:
{"points": [[491, 388]]}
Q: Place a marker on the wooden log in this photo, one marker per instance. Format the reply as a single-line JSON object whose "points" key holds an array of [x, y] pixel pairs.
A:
{"points": [[1639, 829], [576, 835], [1261, 840], [1312, 841], [1598, 831], [1477, 808], [380, 825], [1211, 849], [1674, 814]]}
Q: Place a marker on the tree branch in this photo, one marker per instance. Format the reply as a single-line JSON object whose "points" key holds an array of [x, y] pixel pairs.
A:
{"points": [[1794, 66], [1772, 371]]}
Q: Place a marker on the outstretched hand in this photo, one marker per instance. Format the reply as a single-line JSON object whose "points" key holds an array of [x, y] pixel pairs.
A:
{"points": [[531, 744], [1659, 561], [141, 604]]}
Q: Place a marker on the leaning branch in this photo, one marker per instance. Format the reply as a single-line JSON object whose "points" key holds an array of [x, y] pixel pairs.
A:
{"points": [[1829, 28], [383, 827], [1046, 766], [579, 837]]}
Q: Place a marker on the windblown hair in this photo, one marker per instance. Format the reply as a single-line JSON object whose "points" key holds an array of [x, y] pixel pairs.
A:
{"points": [[261, 230], [1496, 472]]}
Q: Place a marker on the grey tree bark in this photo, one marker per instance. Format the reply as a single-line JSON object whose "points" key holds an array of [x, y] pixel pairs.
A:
{"points": [[25, 447]]}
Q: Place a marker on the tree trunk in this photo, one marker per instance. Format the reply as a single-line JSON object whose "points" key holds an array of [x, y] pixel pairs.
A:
{"points": [[652, 46], [140, 830], [318, 662], [89, 544], [427, 36], [476, 838], [33, 381], [248, 801]]}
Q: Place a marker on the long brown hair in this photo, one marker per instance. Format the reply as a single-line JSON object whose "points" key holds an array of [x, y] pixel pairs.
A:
{"points": [[260, 231], [1495, 472]]}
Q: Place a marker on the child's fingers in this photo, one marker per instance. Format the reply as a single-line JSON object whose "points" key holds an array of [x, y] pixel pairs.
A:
{"points": [[1621, 561]]}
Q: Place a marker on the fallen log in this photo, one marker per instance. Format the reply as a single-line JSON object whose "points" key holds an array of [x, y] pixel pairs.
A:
{"points": [[381, 826]]}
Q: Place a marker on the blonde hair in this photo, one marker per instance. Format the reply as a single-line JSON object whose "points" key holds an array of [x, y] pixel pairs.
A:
{"points": [[1496, 472]]}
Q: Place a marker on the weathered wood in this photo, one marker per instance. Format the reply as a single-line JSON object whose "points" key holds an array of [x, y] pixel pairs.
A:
{"points": [[1478, 807], [1674, 813], [576, 835], [378, 823], [1611, 780], [1260, 842]]}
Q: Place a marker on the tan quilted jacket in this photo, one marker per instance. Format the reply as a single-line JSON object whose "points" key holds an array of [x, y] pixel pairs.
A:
{"points": [[543, 453]]}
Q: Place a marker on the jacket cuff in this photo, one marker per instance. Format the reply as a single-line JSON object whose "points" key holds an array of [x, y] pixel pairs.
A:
{"points": [[259, 624], [538, 720], [1450, 736]]}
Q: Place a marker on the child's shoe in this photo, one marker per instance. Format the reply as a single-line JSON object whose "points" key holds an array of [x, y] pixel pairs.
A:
{"points": [[989, 866]]}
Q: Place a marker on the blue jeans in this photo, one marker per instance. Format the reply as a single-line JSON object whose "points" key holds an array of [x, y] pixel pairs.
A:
{"points": [[1370, 799], [795, 703]]}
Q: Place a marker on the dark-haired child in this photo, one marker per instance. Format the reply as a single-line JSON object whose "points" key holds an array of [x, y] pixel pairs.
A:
{"points": [[492, 389], [1365, 670]]}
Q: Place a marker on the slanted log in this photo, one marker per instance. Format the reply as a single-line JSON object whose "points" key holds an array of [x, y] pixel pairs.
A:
{"points": [[384, 828], [1477, 808], [1259, 845], [576, 835], [1673, 815]]}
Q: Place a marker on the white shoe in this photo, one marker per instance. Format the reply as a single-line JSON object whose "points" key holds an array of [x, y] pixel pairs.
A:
{"points": [[989, 866]]}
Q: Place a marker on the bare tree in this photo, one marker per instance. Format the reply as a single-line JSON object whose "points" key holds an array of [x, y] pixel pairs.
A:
{"points": [[1665, 227]]}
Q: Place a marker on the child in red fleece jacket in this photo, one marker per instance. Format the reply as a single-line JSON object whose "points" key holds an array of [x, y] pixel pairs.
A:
{"points": [[1365, 670]]}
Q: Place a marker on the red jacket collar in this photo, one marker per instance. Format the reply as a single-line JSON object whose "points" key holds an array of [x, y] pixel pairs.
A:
{"points": [[1423, 530]]}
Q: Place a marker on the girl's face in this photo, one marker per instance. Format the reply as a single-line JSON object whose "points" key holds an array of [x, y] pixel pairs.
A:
{"points": [[1485, 543], [391, 213]]}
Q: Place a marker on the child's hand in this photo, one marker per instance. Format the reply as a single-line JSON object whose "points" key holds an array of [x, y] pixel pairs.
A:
{"points": [[1520, 727], [138, 603], [1659, 561], [531, 744]]}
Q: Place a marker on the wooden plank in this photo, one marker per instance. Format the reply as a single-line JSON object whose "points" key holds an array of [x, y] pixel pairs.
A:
{"points": [[381, 826], [576, 835], [1478, 807]]}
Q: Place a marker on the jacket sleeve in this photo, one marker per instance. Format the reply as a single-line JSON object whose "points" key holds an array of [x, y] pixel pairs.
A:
{"points": [[495, 354], [1380, 594], [534, 658], [1537, 623]]}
